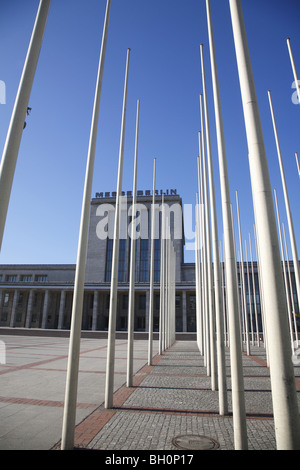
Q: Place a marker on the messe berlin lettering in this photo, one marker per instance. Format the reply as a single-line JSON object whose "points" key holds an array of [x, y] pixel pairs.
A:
{"points": [[147, 192]]}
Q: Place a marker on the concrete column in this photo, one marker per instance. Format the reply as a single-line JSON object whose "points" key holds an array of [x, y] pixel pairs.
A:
{"points": [[61, 309], [45, 309], [29, 309], [285, 406], [13, 310], [14, 134]]}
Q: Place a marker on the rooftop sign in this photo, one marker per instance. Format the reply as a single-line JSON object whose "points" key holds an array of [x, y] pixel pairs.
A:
{"points": [[147, 192]]}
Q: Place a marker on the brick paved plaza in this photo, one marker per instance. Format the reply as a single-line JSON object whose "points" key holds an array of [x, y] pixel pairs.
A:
{"points": [[171, 398]]}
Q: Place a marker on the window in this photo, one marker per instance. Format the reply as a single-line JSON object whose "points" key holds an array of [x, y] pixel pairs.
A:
{"points": [[178, 302], [192, 302], [26, 278], [142, 302], [125, 302], [11, 278], [122, 252], [20, 300], [156, 260], [135, 258], [41, 278], [109, 250], [144, 271], [6, 300], [122, 263], [140, 323]]}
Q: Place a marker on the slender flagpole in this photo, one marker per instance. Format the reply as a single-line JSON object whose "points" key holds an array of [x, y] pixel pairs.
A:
{"points": [[285, 406], [110, 364], [132, 260], [198, 278], [290, 282], [74, 347], [243, 278], [284, 271], [203, 248], [297, 83], [238, 395], [249, 294], [151, 299], [14, 134], [287, 203], [254, 292], [216, 321], [208, 277], [297, 162]]}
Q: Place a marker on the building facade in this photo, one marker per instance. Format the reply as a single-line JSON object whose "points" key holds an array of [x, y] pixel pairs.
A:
{"points": [[40, 296]]}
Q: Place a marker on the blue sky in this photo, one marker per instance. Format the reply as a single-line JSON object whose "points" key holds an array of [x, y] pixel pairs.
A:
{"points": [[165, 75]]}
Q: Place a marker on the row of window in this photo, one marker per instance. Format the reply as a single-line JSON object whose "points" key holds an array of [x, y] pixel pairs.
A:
{"points": [[7, 295], [141, 267], [24, 278]]}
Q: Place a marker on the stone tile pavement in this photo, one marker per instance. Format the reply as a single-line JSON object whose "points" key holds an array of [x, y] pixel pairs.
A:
{"points": [[169, 406], [175, 399]]}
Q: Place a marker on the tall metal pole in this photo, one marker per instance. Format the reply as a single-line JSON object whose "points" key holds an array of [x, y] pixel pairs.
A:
{"points": [[254, 292], [284, 271], [285, 406], [249, 294], [297, 162], [209, 362], [290, 283], [74, 346], [151, 299], [287, 204], [198, 279], [242, 273], [14, 134], [110, 364], [132, 259], [297, 83], [162, 279], [217, 331], [238, 395], [261, 296], [202, 231]]}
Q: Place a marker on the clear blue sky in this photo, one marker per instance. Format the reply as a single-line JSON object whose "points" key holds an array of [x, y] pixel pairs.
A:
{"points": [[165, 75]]}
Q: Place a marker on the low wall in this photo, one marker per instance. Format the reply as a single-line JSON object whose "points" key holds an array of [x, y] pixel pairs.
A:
{"points": [[180, 336]]}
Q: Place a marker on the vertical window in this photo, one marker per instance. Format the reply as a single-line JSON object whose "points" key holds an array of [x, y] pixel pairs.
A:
{"points": [[136, 260], [156, 260], [144, 264], [109, 250], [6, 300], [20, 300], [142, 302], [125, 302], [122, 252], [122, 264]]}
